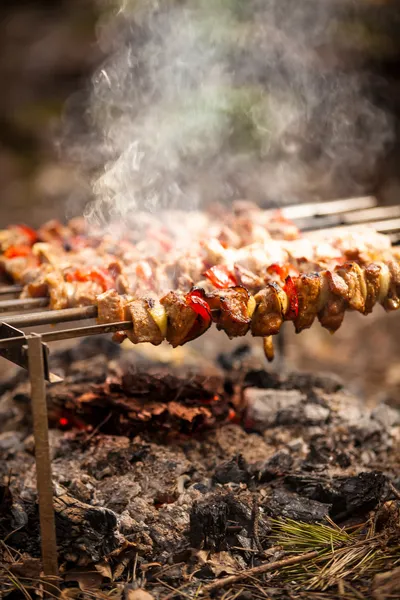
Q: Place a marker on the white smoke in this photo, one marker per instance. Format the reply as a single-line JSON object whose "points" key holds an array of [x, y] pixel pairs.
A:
{"points": [[205, 100]]}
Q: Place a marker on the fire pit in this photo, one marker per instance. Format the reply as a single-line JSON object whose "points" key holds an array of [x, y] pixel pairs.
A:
{"points": [[197, 483]]}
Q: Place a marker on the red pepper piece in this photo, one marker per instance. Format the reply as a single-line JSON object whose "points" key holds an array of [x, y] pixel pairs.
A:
{"points": [[97, 275], [221, 276], [29, 233], [103, 278], [144, 270], [281, 270], [17, 251], [291, 291], [199, 305]]}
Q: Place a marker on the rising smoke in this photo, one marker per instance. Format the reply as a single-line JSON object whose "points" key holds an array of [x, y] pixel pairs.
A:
{"points": [[205, 100]]}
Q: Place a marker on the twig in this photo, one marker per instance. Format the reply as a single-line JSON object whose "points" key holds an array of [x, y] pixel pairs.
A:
{"points": [[255, 518], [291, 560], [99, 426], [394, 490]]}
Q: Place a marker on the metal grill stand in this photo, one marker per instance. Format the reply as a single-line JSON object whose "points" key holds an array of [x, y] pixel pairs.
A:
{"points": [[42, 454]]}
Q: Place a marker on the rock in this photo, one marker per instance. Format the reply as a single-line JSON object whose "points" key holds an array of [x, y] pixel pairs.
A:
{"points": [[386, 416], [268, 408], [272, 407], [315, 414]]}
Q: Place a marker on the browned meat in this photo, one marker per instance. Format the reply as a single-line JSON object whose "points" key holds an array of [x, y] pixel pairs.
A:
{"points": [[144, 327], [15, 267], [332, 315], [337, 285], [110, 307], [52, 230], [248, 279], [372, 280], [267, 318], [181, 318], [58, 290], [36, 289], [48, 253], [231, 310], [352, 275], [392, 301], [83, 293], [308, 291]]}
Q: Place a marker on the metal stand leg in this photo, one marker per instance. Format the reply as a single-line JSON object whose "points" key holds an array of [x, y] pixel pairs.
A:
{"points": [[42, 455]]}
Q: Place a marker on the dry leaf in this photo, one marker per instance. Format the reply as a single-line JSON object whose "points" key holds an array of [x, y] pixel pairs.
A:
{"points": [[86, 579], [137, 595], [219, 563], [27, 567], [104, 569]]}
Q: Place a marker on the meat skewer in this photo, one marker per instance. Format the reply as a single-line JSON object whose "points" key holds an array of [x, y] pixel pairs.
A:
{"points": [[325, 296], [237, 276]]}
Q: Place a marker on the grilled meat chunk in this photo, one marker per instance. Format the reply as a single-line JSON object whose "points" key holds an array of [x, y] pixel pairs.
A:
{"points": [[392, 301], [332, 315], [268, 315], [308, 290], [58, 290], [372, 281], [231, 313], [181, 318], [353, 276], [83, 293], [144, 327], [110, 306]]}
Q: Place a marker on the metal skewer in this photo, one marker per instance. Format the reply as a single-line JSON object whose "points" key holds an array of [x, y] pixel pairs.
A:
{"points": [[13, 305], [10, 289]]}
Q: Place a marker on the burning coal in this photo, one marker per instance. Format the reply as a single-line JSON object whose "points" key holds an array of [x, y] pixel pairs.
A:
{"points": [[201, 101]]}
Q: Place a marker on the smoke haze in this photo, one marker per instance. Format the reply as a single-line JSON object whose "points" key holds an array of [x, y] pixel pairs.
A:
{"points": [[214, 100]]}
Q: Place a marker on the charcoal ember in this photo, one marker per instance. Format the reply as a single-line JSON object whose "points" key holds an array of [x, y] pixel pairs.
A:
{"points": [[314, 488], [328, 382], [85, 533], [348, 496], [241, 513], [165, 385], [278, 465], [208, 524], [304, 382], [235, 470], [355, 496], [262, 379], [129, 403], [288, 505]]}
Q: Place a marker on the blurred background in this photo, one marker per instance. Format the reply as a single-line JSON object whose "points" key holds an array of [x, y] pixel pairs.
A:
{"points": [[48, 53]]}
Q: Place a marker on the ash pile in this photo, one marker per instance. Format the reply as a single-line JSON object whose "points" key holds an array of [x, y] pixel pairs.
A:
{"points": [[200, 484]]}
